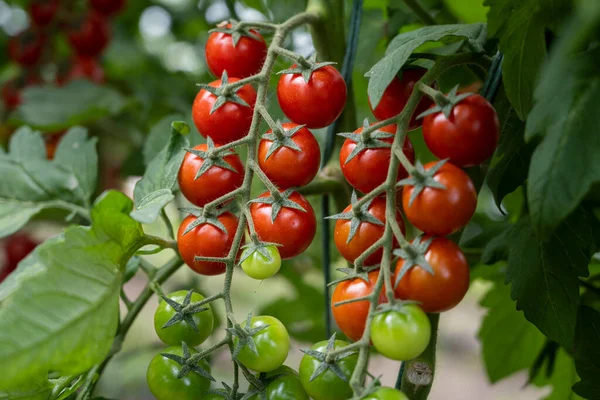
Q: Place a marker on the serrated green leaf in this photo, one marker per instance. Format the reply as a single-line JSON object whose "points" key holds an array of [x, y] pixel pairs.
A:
{"points": [[401, 47], [60, 309], [510, 343], [544, 274], [80, 102], [564, 166], [154, 191], [520, 26]]}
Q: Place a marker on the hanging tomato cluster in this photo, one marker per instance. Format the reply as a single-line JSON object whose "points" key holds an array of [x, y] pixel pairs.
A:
{"points": [[437, 198]]}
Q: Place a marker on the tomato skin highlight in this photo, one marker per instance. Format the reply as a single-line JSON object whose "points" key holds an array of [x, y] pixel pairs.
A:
{"points": [[287, 167], [230, 121], [256, 266], [366, 235], [442, 211], [272, 344], [468, 137], [293, 229], [401, 335], [206, 240], [287, 386], [327, 386], [368, 169], [240, 61], [396, 96], [443, 290], [315, 104], [162, 377], [181, 331], [211, 185], [352, 317], [91, 36]]}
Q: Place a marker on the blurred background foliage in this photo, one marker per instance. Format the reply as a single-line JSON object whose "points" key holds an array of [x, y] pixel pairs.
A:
{"points": [[151, 66]]}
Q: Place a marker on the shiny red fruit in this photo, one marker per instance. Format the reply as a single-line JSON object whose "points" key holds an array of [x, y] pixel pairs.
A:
{"points": [[244, 59], [91, 36]]}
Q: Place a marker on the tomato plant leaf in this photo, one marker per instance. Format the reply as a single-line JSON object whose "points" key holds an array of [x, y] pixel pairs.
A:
{"points": [[37, 388], [158, 137], [79, 102], [544, 274], [564, 165], [562, 377], [31, 183], [401, 47], [509, 342], [154, 191], [587, 356], [520, 26], [65, 296]]}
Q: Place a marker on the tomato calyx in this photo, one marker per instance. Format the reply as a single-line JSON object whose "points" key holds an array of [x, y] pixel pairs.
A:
{"points": [[366, 140], [245, 335], [443, 103], [305, 67], [188, 363], [212, 158], [184, 311], [223, 93], [357, 216], [226, 393], [328, 362], [413, 255], [205, 216], [278, 200], [368, 390], [281, 138], [261, 390], [232, 27], [257, 245], [351, 273], [421, 178]]}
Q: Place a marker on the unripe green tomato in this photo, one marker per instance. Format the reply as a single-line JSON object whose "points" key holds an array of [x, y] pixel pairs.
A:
{"points": [[327, 386], [287, 386], [257, 266], [163, 382], [401, 335], [272, 345], [181, 331], [386, 393]]}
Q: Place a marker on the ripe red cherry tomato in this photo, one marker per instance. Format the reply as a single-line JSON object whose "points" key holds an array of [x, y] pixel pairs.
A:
{"points": [[315, 104], [107, 7], [468, 137], [443, 290], [352, 317], [26, 48], [442, 211], [287, 167], [211, 185], [11, 95], [244, 59], [369, 168], [293, 229], [230, 121], [86, 68], [206, 240], [42, 12], [367, 234], [16, 248], [396, 96], [91, 36]]}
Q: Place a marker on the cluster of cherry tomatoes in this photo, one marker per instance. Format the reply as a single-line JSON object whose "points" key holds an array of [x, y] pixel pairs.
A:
{"points": [[15, 248], [88, 34], [438, 199]]}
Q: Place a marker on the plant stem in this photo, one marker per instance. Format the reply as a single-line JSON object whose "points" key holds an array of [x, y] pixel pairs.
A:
{"points": [[168, 223], [425, 17]]}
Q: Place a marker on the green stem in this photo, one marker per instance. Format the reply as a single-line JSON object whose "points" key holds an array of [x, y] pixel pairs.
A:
{"points": [[168, 224], [425, 17]]}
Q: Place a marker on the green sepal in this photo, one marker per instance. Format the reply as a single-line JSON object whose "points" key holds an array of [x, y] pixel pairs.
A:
{"points": [[222, 98], [413, 255], [281, 138], [394, 305], [211, 158], [422, 178], [356, 217], [235, 32], [226, 393], [351, 274], [262, 390], [368, 390], [188, 364], [324, 365], [306, 70], [261, 247], [211, 218], [278, 202], [182, 313], [445, 103], [369, 141], [244, 335]]}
